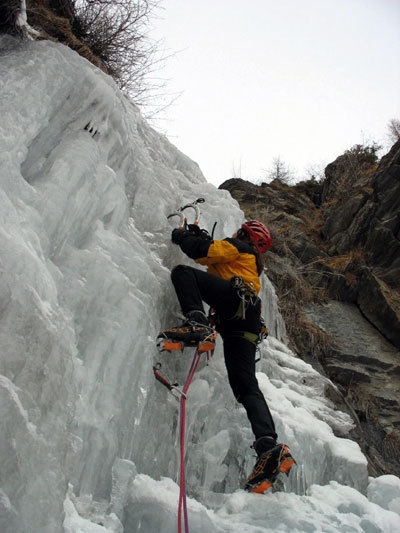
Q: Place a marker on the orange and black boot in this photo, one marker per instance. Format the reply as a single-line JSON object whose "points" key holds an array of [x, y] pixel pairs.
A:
{"points": [[195, 331], [269, 465]]}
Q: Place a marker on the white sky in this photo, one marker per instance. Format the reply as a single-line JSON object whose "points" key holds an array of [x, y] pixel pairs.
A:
{"points": [[302, 80]]}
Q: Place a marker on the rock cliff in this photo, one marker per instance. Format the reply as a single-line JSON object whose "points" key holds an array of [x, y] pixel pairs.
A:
{"points": [[335, 264]]}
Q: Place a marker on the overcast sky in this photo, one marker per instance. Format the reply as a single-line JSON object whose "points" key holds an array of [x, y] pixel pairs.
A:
{"points": [[302, 80]]}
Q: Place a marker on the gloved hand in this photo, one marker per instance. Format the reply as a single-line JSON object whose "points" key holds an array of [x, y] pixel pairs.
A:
{"points": [[194, 229], [177, 235]]}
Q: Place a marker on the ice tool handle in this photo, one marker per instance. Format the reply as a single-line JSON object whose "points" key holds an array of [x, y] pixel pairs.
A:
{"points": [[183, 218]]}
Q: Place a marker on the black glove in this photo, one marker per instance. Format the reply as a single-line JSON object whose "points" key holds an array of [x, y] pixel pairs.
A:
{"points": [[194, 229], [177, 235]]}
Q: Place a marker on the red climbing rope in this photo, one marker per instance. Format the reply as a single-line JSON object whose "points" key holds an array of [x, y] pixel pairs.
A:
{"points": [[182, 477], [182, 506]]}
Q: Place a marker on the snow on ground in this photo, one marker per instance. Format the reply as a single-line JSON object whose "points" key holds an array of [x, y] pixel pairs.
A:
{"points": [[88, 439]]}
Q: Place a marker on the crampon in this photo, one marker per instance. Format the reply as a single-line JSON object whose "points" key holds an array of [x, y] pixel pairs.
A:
{"points": [[187, 336]]}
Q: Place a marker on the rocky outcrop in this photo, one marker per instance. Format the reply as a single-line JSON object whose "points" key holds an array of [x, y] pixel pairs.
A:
{"points": [[366, 368], [369, 220], [335, 263]]}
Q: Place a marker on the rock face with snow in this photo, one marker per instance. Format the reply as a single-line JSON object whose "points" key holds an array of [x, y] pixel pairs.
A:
{"points": [[88, 438]]}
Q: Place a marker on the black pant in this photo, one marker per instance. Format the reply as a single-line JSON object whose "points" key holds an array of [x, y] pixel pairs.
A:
{"points": [[193, 286]]}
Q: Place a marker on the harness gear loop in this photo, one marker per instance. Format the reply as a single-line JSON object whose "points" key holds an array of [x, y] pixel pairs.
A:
{"points": [[247, 296], [255, 338]]}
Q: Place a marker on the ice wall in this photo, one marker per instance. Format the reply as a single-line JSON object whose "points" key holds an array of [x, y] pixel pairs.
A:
{"points": [[84, 284]]}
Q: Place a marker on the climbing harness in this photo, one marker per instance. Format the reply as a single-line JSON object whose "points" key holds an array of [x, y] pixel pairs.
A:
{"points": [[181, 395], [247, 296]]}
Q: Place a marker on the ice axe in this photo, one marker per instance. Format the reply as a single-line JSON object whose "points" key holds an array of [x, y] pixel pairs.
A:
{"points": [[183, 218]]}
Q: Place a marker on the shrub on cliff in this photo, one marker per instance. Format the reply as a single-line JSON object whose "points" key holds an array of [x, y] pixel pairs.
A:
{"points": [[112, 34]]}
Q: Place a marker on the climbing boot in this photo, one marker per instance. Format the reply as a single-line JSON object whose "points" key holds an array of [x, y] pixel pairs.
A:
{"points": [[195, 331], [268, 466]]}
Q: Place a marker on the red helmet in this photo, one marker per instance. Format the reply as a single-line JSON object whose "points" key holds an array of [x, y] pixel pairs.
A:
{"points": [[259, 235]]}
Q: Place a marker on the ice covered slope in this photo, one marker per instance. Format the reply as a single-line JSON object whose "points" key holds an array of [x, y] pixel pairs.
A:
{"points": [[87, 437]]}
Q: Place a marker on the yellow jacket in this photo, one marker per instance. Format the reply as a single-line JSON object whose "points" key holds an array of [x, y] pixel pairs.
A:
{"points": [[225, 259]]}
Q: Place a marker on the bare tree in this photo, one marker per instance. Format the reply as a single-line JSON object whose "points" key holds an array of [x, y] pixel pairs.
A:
{"points": [[316, 171], [280, 171], [394, 130], [112, 34], [117, 33]]}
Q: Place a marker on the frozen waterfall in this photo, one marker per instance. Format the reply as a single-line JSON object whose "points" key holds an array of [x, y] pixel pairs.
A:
{"points": [[88, 438]]}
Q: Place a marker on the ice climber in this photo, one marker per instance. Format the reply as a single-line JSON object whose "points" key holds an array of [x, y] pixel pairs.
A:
{"points": [[230, 287]]}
